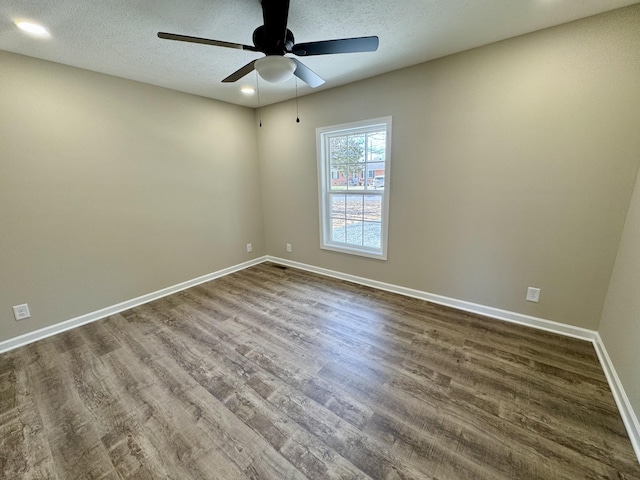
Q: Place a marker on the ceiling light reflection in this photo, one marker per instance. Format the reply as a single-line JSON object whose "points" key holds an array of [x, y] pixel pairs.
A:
{"points": [[32, 28]]}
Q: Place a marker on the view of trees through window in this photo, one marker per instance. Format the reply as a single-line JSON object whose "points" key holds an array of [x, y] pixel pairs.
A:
{"points": [[356, 160]]}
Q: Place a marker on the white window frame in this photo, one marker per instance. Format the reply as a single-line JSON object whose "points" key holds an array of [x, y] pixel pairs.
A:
{"points": [[323, 135]]}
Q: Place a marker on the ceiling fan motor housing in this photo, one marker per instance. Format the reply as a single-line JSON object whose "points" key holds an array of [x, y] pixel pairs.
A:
{"points": [[272, 46]]}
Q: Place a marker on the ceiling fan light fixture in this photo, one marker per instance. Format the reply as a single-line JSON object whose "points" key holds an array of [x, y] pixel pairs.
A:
{"points": [[275, 68]]}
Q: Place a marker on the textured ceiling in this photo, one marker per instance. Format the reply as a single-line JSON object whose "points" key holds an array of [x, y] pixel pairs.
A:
{"points": [[119, 38]]}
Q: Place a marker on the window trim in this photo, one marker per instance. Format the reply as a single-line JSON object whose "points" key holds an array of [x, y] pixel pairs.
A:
{"points": [[324, 184]]}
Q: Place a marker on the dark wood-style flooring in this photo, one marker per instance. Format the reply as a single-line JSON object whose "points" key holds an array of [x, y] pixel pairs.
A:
{"points": [[274, 373]]}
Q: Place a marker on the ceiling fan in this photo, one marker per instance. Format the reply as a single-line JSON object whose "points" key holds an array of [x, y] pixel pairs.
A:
{"points": [[275, 40]]}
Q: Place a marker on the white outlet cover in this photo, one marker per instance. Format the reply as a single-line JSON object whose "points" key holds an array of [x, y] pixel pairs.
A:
{"points": [[533, 294], [20, 312], [249, 248]]}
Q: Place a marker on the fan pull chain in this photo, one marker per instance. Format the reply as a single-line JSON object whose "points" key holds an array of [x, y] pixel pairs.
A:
{"points": [[297, 115], [258, 92]]}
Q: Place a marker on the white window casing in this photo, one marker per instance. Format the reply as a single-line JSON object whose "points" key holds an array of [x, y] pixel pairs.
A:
{"points": [[353, 184]]}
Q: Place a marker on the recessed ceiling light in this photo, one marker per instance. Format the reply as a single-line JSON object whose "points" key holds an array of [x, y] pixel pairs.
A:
{"points": [[32, 28], [248, 90]]}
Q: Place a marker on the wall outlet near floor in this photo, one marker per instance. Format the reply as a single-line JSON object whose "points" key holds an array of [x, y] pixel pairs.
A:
{"points": [[249, 248], [289, 247], [533, 294], [20, 312]]}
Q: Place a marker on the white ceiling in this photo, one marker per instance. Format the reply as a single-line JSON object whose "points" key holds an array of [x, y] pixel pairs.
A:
{"points": [[118, 37]]}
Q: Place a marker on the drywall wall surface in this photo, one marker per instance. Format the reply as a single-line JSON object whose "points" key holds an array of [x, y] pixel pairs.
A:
{"points": [[620, 324], [111, 189], [512, 165]]}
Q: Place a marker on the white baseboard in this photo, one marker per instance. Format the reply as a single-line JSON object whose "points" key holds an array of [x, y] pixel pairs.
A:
{"points": [[622, 401], [624, 405], [45, 332], [539, 323]]}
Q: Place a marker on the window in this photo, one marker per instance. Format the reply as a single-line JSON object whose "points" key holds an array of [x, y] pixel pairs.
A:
{"points": [[353, 179]]}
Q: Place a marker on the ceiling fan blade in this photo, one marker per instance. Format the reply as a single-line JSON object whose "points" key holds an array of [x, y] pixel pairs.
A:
{"points": [[238, 74], [204, 41], [343, 45], [275, 14], [307, 75]]}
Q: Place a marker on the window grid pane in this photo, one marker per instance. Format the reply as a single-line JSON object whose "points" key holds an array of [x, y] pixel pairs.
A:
{"points": [[338, 205], [355, 207], [338, 230], [372, 208], [372, 234], [354, 233]]}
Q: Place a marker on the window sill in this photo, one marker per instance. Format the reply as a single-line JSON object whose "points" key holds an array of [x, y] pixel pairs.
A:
{"points": [[355, 251]]}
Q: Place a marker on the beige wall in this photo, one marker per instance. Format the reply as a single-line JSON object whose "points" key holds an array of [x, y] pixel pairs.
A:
{"points": [[620, 324], [110, 189], [512, 165]]}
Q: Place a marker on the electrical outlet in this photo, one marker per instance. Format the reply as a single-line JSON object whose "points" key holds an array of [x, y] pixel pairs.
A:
{"points": [[20, 312], [533, 294], [249, 248], [289, 247]]}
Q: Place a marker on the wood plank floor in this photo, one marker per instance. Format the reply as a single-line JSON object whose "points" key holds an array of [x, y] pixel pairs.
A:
{"points": [[274, 373]]}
